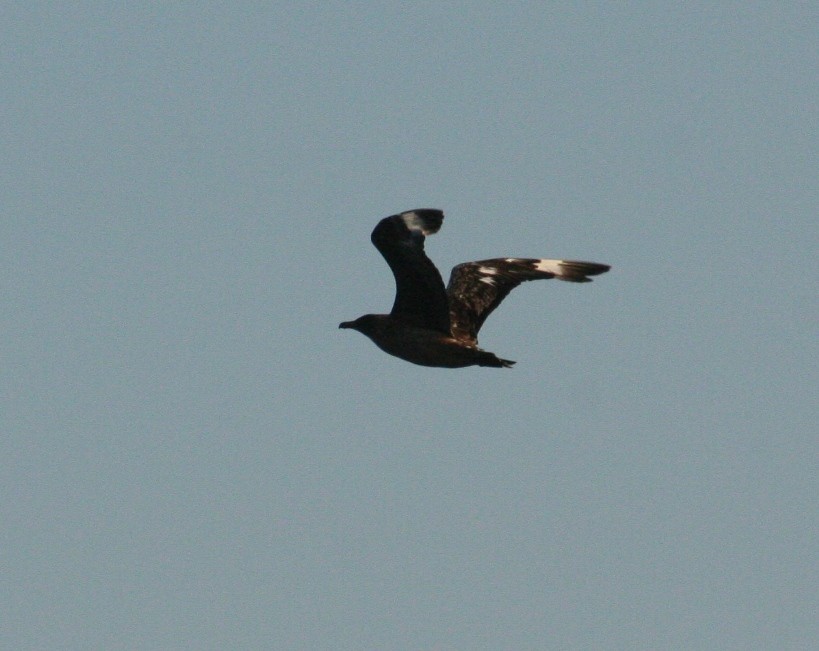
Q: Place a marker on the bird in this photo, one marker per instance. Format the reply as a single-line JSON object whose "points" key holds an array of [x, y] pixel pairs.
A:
{"points": [[433, 325]]}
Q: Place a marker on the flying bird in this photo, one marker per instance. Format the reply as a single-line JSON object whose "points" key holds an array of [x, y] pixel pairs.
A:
{"points": [[435, 326]]}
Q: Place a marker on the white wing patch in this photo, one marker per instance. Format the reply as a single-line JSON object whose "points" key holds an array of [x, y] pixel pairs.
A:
{"points": [[550, 266], [415, 222], [486, 275]]}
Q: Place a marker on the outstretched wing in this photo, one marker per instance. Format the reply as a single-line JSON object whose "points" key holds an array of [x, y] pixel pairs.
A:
{"points": [[420, 297], [477, 288]]}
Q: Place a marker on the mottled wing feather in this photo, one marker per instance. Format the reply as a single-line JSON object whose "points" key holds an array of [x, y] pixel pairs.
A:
{"points": [[477, 288], [420, 296]]}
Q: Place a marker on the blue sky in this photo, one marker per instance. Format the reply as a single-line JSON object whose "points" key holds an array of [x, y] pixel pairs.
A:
{"points": [[195, 457]]}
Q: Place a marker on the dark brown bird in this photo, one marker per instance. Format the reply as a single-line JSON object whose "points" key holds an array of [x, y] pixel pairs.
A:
{"points": [[436, 326]]}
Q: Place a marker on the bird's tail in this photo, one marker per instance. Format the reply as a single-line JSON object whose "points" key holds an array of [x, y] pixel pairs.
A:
{"points": [[490, 359]]}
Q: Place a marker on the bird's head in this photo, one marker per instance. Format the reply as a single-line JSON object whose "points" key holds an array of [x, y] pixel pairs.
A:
{"points": [[366, 324]]}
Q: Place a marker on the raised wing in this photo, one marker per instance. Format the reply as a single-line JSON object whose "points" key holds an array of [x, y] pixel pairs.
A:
{"points": [[477, 288], [420, 296]]}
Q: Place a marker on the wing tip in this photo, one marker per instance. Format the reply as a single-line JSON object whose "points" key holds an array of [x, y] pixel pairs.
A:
{"points": [[576, 271], [426, 220]]}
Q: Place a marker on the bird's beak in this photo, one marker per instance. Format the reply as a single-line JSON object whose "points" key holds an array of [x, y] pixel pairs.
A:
{"points": [[345, 324]]}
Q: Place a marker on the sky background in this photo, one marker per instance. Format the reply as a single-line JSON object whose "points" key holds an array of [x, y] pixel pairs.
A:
{"points": [[193, 456]]}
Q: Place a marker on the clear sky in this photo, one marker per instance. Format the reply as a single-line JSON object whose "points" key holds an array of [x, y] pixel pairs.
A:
{"points": [[193, 456]]}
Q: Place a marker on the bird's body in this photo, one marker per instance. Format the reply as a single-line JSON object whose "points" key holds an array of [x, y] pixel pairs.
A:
{"points": [[421, 345], [432, 325]]}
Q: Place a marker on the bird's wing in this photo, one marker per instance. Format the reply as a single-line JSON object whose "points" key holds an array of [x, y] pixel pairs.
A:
{"points": [[420, 296], [477, 288]]}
